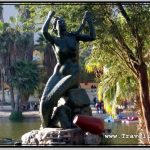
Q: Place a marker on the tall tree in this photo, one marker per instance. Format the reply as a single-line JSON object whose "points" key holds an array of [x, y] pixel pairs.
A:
{"points": [[21, 43], [123, 31], [2, 75], [25, 79], [23, 16], [15, 45]]}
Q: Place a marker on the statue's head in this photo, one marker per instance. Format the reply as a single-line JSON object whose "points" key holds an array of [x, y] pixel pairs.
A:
{"points": [[59, 25]]}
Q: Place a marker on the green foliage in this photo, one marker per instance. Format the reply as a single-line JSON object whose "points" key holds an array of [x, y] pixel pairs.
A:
{"points": [[117, 81], [11, 38], [5, 38], [25, 77], [1, 25], [16, 116], [111, 54]]}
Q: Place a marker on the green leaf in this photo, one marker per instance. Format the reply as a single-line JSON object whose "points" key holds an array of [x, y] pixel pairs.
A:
{"points": [[1, 25]]}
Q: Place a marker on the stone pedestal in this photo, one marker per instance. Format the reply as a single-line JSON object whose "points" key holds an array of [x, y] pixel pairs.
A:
{"points": [[57, 136], [77, 102]]}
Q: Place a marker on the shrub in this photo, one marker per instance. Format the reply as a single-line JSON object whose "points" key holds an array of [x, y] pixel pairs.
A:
{"points": [[16, 116]]}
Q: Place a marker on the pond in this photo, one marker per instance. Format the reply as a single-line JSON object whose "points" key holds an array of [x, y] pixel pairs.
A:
{"points": [[15, 130], [122, 134]]}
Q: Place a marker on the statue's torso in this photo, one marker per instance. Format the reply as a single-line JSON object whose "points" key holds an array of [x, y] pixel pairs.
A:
{"points": [[66, 48], [67, 54]]}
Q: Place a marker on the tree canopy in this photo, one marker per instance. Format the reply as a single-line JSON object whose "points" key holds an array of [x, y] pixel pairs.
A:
{"points": [[25, 77]]}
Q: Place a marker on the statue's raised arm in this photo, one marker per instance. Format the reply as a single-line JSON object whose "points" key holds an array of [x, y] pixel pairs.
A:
{"points": [[92, 34], [45, 28]]}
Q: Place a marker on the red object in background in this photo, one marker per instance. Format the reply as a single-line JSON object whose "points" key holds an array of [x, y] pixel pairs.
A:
{"points": [[132, 118], [89, 124]]}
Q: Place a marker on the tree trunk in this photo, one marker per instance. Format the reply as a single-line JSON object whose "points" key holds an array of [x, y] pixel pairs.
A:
{"points": [[141, 124], [12, 99], [17, 102], [3, 93], [144, 96], [24, 101], [2, 85]]}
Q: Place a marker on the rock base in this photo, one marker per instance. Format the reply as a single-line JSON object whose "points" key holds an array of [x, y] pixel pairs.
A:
{"points": [[58, 136]]}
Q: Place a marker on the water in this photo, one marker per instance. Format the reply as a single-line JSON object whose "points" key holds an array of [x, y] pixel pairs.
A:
{"points": [[15, 130], [123, 134]]}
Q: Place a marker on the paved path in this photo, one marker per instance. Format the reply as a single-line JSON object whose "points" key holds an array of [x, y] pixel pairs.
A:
{"points": [[6, 113], [33, 114], [6, 110]]}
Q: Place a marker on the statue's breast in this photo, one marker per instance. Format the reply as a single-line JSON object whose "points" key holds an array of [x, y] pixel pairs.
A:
{"points": [[71, 42], [66, 44]]}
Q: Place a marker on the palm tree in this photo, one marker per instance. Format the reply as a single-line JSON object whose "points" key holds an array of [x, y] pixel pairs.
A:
{"points": [[14, 46], [1, 66], [28, 36], [25, 79]]}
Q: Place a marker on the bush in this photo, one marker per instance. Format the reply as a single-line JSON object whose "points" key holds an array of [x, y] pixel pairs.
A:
{"points": [[16, 116]]}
